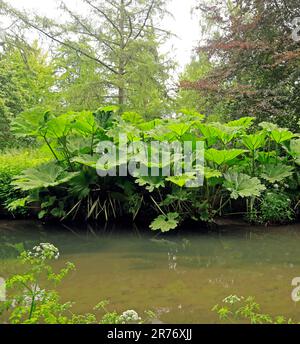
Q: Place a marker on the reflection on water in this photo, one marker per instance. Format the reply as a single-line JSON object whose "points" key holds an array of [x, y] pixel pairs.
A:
{"points": [[180, 277]]}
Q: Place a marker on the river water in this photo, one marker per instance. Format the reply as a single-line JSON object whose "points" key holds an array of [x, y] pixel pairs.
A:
{"points": [[180, 277]]}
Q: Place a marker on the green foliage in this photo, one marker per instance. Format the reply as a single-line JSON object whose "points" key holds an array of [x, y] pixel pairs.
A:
{"points": [[43, 176], [151, 183], [26, 77], [221, 157], [165, 223], [79, 84], [276, 207], [245, 77], [243, 122], [77, 185], [182, 180], [254, 141], [12, 163], [281, 135], [236, 309], [189, 98], [276, 173], [242, 185], [295, 150], [33, 298]]}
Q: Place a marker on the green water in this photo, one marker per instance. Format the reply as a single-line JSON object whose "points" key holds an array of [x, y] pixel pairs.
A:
{"points": [[180, 277]]}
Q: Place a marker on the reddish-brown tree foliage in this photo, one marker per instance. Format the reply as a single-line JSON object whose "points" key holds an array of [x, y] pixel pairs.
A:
{"points": [[257, 62]]}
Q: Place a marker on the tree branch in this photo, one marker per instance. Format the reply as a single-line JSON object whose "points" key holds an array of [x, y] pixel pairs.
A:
{"points": [[145, 21], [105, 16], [26, 21], [87, 32]]}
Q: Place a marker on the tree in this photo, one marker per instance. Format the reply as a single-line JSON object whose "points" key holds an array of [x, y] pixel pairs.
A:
{"points": [[147, 84], [113, 32], [256, 60], [192, 99], [26, 78], [79, 84]]}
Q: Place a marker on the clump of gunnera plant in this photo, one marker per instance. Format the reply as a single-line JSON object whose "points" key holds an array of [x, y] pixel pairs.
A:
{"points": [[233, 163]]}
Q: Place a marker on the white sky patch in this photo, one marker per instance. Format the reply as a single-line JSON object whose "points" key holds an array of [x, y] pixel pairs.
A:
{"points": [[184, 25]]}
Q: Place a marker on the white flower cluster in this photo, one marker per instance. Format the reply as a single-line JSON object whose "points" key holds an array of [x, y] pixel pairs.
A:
{"points": [[130, 316], [232, 299], [39, 295], [44, 251]]}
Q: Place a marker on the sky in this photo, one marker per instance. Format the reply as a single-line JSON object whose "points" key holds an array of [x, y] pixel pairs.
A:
{"points": [[184, 25]]}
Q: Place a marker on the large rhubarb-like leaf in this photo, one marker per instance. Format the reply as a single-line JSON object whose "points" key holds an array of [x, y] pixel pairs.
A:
{"points": [[254, 141], [242, 123], [281, 135], [295, 150], [276, 173], [222, 156], [242, 185], [211, 173], [165, 223], [42, 177], [182, 180], [151, 183], [86, 160]]}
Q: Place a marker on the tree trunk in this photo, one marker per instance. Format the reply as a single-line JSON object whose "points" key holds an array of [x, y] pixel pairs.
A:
{"points": [[121, 67]]}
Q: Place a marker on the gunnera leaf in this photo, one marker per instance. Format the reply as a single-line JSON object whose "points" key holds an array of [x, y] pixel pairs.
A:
{"points": [[165, 223], [222, 156], [43, 176], [276, 173], [242, 185]]}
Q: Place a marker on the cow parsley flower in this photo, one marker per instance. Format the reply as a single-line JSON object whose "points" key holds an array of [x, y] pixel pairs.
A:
{"points": [[44, 251], [130, 316]]}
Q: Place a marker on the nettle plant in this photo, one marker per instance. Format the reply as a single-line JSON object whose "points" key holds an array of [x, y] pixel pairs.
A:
{"points": [[242, 165]]}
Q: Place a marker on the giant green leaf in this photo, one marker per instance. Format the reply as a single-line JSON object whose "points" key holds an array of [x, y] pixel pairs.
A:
{"points": [[87, 160], [104, 116], [281, 135], [132, 117], [243, 122], [182, 180], [43, 176], [254, 141], [146, 126], [84, 123], [151, 183], [276, 173], [61, 126], [295, 150], [180, 128], [211, 173], [242, 185], [208, 130], [165, 223], [192, 115], [31, 123], [224, 132], [222, 156]]}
